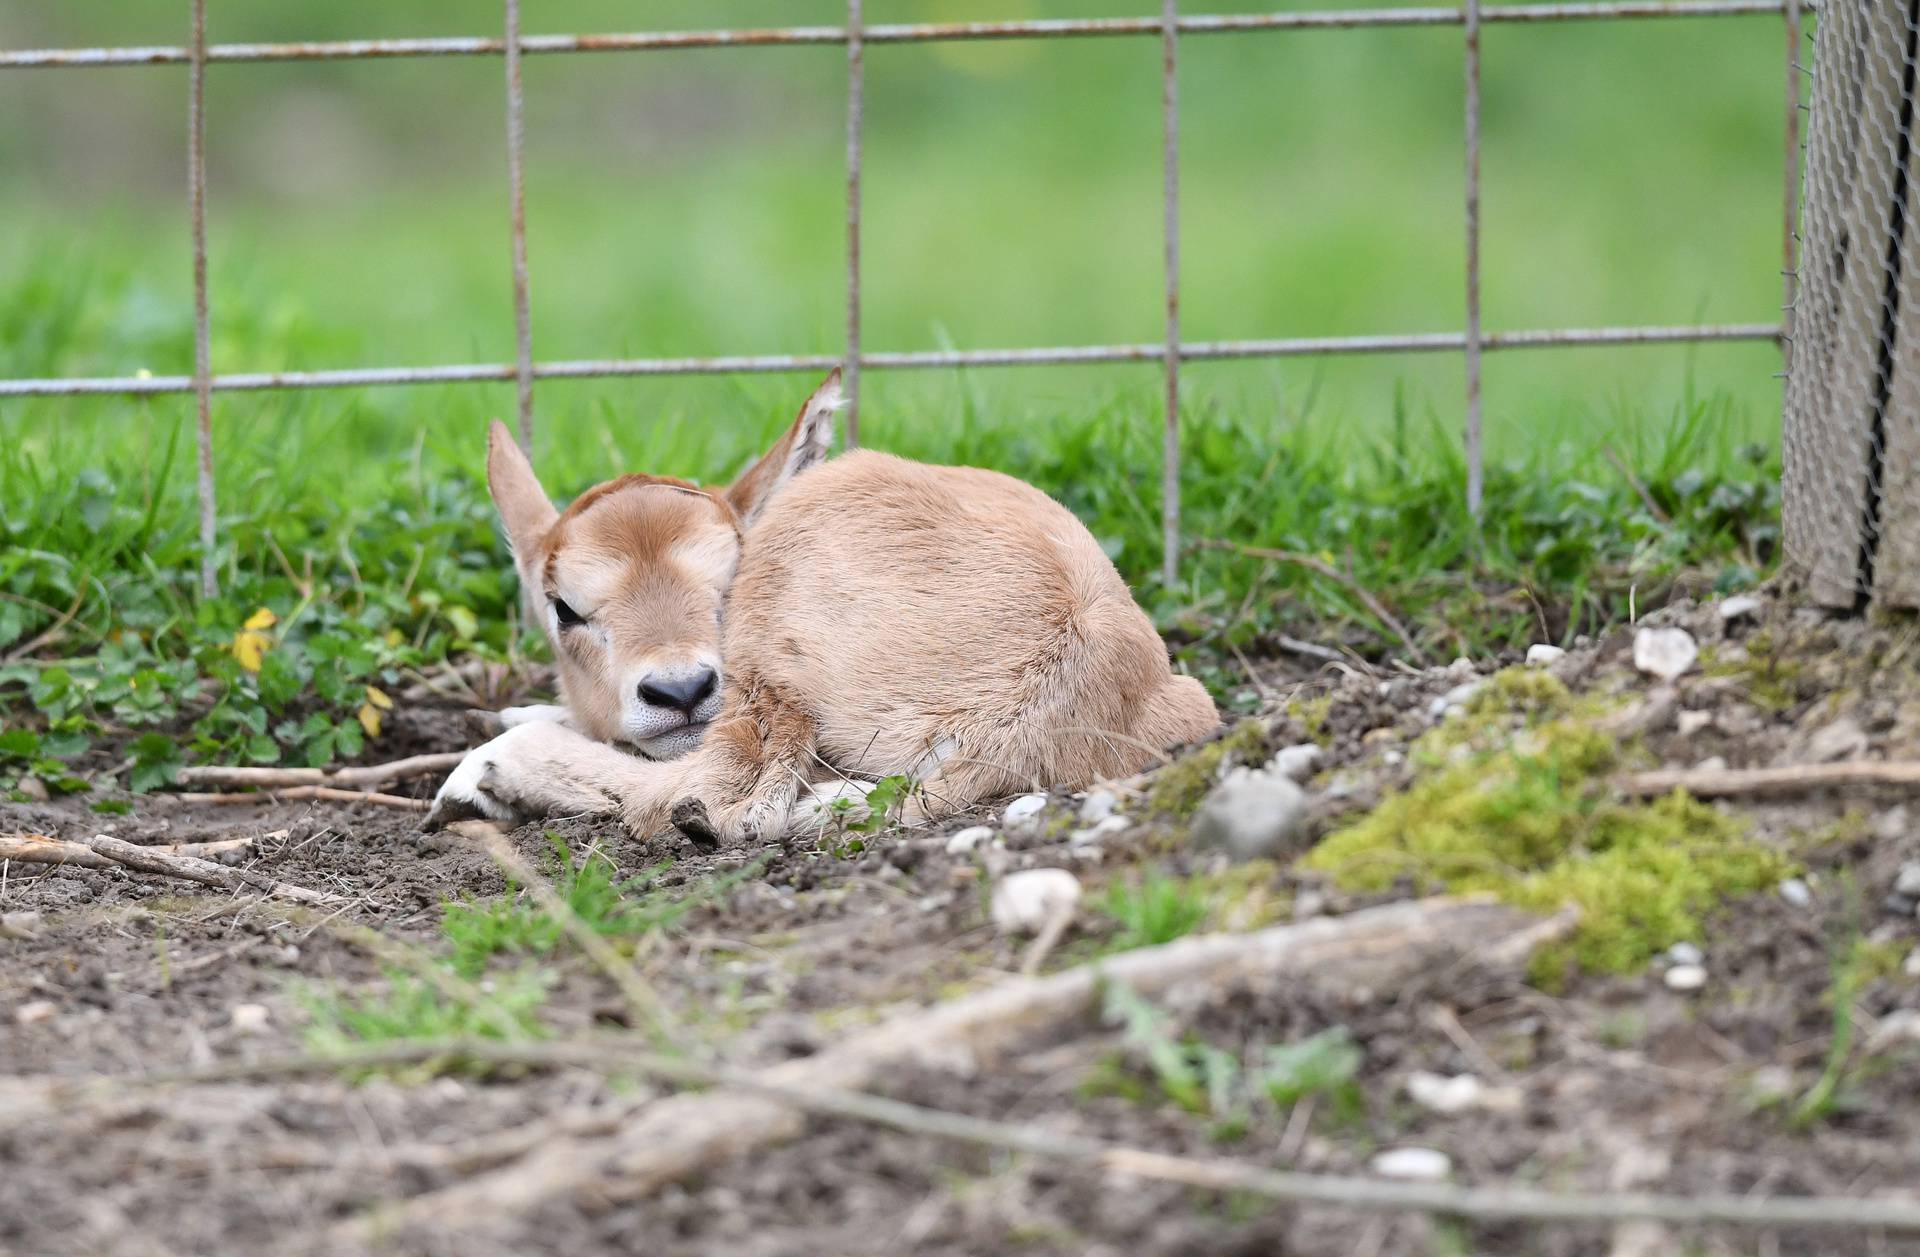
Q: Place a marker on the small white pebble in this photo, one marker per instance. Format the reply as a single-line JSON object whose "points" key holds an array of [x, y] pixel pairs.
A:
{"points": [[1689, 723], [1024, 902], [1795, 892], [1908, 880], [1686, 954], [1738, 605], [1541, 654], [1686, 978], [1665, 653], [32, 1014], [1911, 965], [1459, 1094], [1296, 763], [1022, 817], [1413, 1165], [250, 1018], [1098, 805], [969, 838]]}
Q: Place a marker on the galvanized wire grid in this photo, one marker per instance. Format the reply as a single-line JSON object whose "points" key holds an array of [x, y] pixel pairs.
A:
{"points": [[856, 35], [1851, 448]]}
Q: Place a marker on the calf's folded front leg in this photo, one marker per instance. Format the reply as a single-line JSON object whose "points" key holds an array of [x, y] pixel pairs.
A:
{"points": [[547, 769]]}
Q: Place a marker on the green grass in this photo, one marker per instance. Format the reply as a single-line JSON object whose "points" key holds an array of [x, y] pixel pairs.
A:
{"points": [[461, 988], [691, 203]]}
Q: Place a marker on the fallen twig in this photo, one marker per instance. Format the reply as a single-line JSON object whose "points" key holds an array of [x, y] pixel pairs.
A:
{"points": [[1208, 1173], [1714, 783], [1319, 568], [41, 849], [207, 873], [292, 793], [52, 631], [367, 776], [1378, 948]]}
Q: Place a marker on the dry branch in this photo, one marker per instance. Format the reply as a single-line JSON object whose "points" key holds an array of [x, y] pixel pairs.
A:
{"points": [[366, 777], [41, 849], [1208, 1173], [207, 873], [1319, 568], [684, 1134], [329, 793], [1787, 779]]}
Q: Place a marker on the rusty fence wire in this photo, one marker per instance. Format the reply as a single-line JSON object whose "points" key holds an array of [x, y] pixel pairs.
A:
{"points": [[1169, 27]]}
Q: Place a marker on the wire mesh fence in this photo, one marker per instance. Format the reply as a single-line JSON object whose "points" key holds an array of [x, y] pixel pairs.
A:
{"points": [[1851, 491], [1169, 26]]}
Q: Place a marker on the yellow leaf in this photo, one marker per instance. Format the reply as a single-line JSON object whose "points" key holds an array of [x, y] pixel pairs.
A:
{"points": [[370, 719], [261, 619], [376, 697], [250, 647]]}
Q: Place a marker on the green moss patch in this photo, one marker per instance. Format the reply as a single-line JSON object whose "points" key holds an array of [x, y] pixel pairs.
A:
{"points": [[1535, 824]]}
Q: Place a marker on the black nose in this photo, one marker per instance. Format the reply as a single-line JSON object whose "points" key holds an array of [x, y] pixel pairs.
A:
{"points": [[683, 693]]}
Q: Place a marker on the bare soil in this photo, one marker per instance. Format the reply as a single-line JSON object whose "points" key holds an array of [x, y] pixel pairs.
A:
{"points": [[1622, 1082]]}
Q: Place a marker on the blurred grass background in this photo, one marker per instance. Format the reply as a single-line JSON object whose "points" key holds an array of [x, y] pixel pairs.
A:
{"points": [[692, 203]]}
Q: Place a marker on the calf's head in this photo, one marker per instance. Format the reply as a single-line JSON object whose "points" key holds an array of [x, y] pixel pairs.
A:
{"points": [[630, 581]]}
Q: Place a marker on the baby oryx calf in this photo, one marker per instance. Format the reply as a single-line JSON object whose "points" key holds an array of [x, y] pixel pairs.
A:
{"points": [[814, 623]]}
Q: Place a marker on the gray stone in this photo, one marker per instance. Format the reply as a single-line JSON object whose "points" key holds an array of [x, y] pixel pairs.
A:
{"points": [[1686, 978], [1686, 954], [967, 839], [1665, 653], [1843, 739], [1796, 892], [1540, 654], [1908, 883], [1738, 606], [1022, 817], [1098, 805], [1899, 905], [1251, 814], [1024, 902], [1296, 763]]}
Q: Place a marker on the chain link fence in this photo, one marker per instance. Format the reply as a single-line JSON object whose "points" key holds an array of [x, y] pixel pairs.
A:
{"points": [[1170, 27], [1851, 492]]}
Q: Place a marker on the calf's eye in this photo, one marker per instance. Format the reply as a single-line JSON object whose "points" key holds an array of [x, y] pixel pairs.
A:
{"points": [[567, 616]]}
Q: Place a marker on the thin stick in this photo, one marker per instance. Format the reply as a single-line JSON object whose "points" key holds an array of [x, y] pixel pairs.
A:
{"points": [[42, 849], [1332, 573], [368, 776], [52, 631], [615, 1055], [645, 1005], [1787, 779], [147, 860], [303, 792]]}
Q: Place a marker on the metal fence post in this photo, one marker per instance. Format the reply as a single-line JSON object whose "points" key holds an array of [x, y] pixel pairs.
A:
{"points": [[856, 94], [1476, 455], [517, 198], [202, 338], [1170, 358]]}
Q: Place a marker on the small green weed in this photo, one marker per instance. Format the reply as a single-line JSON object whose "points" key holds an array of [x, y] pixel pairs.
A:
{"points": [[1152, 911], [414, 1007], [479, 930], [883, 804], [1209, 1081]]}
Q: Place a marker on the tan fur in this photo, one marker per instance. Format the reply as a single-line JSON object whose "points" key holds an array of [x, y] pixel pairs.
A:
{"points": [[880, 616]]}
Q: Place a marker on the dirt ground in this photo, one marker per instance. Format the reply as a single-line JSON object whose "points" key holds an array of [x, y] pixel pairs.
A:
{"points": [[1612, 1082]]}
